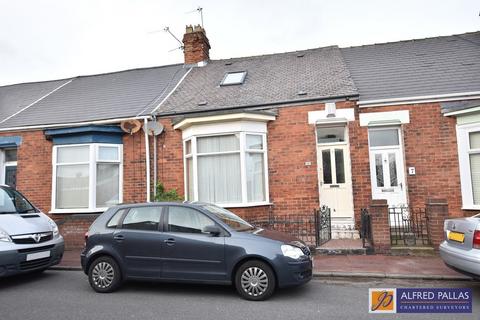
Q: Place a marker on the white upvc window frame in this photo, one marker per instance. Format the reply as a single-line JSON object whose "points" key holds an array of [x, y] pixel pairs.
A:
{"points": [[4, 164], [242, 151], [92, 162], [464, 152]]}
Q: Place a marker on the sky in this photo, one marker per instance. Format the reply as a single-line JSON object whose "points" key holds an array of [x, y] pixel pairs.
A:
{"points": [[53, 39]]}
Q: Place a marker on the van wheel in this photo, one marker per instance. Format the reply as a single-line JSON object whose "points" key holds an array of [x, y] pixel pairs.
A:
{"points": [[104, 275], [255, 280]]}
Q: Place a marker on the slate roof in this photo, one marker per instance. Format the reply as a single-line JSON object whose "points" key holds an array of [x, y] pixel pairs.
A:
{"points": [[14, 98], [447, 107], [88, 98], [440, 65], [271, 79]]}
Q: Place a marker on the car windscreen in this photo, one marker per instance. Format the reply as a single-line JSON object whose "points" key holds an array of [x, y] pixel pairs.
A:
{"points": [[12, 201], [228, 217]]}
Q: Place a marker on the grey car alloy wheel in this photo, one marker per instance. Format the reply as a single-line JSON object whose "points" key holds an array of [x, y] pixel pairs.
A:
{"points": [[103, 274], [254, 281]]}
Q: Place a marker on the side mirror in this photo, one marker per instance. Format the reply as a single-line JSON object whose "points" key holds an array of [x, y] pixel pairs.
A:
{"points": [[214, 230]]}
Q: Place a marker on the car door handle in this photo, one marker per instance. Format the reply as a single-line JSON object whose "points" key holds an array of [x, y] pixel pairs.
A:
{"points": [[169, 241], [119, 237]]}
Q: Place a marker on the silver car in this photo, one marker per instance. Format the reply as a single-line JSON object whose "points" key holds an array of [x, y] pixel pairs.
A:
{"points": [[29, 240], [461, 248]]}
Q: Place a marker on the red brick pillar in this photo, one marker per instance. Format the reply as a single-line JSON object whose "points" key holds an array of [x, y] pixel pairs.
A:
{"points": [[437, 212], [380, 227]]}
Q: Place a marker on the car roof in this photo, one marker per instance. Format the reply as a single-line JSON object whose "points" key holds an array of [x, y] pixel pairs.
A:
{"points": [[152, 204]]}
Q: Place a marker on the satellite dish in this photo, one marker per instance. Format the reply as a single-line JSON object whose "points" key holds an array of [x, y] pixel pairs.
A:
{"points": [[153, 128], [131, 126]]}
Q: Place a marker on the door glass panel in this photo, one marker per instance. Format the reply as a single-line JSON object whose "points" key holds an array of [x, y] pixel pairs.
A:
{"points": [[475, 172], [339, 166], [327, 167], [330, 134], [392, 163], [379, 170], [144, 218], [186, 220], [384, 137], [474, 140]]}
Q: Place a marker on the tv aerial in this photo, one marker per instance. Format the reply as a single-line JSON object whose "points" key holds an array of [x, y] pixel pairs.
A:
{"points": [[200, 11]]}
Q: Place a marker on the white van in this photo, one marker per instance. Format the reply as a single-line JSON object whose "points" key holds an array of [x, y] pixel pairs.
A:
{"points": [[29, 239]]}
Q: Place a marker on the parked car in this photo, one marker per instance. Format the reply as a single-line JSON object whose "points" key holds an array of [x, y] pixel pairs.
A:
{"points": [[191, 242], [29, 240], [461, 248]]}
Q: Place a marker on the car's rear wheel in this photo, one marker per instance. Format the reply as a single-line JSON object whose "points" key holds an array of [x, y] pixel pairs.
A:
{"points": [[104, 275], [255, 280]]}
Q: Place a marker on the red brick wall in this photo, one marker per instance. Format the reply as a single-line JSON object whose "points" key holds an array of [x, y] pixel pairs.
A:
{"points": [[430, 145]]}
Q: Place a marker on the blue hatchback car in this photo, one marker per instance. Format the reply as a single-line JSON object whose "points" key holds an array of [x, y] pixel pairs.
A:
{"points": [[191, 242]]}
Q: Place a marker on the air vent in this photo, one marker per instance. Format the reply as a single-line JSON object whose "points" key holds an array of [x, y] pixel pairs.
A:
{"points": [[302, 93], [202, 103], [300, 54], [228, 63], [30, 216]]}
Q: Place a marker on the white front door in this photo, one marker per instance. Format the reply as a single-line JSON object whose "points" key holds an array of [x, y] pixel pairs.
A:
{"points": [[386, 166], [334, 173]]}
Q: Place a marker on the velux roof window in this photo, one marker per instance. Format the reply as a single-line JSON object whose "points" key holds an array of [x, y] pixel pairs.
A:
{"points": [[232, 78]]}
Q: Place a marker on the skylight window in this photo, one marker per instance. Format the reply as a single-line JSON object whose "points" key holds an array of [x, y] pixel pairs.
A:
{"points": [[232, 78]]}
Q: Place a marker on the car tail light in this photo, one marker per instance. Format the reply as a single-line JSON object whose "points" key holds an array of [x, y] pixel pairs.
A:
{"points": [[86, 238], [476, 239]]}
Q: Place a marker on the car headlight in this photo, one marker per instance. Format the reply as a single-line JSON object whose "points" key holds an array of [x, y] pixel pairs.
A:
{"points": [[291, 251], [54, 227], [4, 237]]}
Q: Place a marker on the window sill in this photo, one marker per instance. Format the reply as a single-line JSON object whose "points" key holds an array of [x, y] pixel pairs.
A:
{"points": [[471, 207], [244, 205], [63, 211]]}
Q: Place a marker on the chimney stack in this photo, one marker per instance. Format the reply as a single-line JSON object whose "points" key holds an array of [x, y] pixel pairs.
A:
{"points": [[196, 45]]}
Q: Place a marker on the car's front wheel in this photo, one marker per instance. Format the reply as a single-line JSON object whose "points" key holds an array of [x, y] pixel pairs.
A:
{"points": [[255, 280], [104, 275]]}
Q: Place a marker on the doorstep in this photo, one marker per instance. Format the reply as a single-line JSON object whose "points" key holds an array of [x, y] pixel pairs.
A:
{"points": [[342, 247]]}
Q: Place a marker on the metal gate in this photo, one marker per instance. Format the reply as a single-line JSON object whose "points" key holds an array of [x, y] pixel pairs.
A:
{"points": [[366, 229], [323, 222], [408, 226], [313, 228]]}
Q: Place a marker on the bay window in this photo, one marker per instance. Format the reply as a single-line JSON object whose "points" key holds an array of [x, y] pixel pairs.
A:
{"points": [[86, 177], [228, 169]]}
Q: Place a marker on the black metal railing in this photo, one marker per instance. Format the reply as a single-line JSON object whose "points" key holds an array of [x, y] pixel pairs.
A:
{"points": [[323, 222], [313, 228], [366, 229], [408, 226]]}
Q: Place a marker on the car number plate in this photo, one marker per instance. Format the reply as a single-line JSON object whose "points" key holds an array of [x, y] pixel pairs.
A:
{"points": [[38, 255], [456, 236]]}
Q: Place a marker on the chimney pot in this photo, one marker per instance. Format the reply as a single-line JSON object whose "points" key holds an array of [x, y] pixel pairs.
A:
{"points": [[196, 45]]}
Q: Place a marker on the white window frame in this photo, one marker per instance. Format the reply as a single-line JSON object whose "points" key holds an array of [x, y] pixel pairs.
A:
{"points": [[4, 164], [93, 160], [242, 151], [464, 151]]}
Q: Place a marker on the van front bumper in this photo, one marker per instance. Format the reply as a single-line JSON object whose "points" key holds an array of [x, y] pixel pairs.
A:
{"points": [[14, 261]]}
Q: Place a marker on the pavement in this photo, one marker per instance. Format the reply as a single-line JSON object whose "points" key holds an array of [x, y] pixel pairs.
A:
{"points": [[68, 296], [360, 266]]}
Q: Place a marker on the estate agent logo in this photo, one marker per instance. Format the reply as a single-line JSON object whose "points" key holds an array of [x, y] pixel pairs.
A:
{"points": [[420, 300], [382, 300]]}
